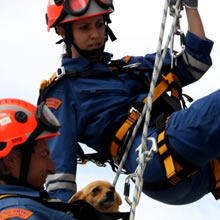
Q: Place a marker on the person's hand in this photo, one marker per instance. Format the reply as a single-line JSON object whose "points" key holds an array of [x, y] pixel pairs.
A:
{"points": [[191, 3], [187, 3]]}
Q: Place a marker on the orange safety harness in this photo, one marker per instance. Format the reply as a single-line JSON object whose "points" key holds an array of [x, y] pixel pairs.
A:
{"points": [[169, 81], [176, 168]]}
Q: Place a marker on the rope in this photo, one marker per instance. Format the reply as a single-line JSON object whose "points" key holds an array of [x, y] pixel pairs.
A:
{"points": [[144, 155]]}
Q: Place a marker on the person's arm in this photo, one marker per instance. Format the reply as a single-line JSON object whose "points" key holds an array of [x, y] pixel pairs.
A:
{"points": [[63, 148], [195, 25], [196, 57]]}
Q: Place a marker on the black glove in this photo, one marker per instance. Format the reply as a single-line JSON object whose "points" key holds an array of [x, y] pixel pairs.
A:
{"points": [[187, 3]]}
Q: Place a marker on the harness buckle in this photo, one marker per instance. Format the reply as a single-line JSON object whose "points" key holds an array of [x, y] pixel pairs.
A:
{"points": [[130, 66], [147, 155], [133, 109], [98, 163], [60, 72]]}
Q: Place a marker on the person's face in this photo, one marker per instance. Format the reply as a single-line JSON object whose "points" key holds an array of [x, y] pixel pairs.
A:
{"points": [[89, 33], [41, 165]]}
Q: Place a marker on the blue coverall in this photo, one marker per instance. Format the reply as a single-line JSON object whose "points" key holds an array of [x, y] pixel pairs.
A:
{"points": [[92, 107], [20, 207]]}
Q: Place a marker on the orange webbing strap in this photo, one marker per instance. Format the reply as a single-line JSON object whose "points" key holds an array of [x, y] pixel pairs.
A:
{"points": [[46, 83], [175, 171], [163, 86], [215, 164], [127, 59], [132, 118], [7, 195], [171, 167]]}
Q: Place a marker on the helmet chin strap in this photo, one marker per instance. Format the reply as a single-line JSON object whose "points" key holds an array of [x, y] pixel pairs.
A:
{"points": [[26, 150], [90, 53], [24, 168], [26, 153]]}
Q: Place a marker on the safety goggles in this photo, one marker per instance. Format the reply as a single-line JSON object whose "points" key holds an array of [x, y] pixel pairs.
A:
{"points": [[80, 7], [46, 119], [47, 125]]}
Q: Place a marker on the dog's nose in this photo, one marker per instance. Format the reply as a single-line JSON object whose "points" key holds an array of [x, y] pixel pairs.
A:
{"points": [[109, 194]]}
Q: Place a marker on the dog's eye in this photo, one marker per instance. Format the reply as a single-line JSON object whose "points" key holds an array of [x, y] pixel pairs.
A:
{"points": [[96, 190]]}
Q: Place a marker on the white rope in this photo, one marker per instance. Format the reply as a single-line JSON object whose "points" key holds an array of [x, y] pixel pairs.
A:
{"points": [[157, 67], [144, 154]]}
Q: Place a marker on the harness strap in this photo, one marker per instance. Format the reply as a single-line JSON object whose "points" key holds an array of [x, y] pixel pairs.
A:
{"points": [[46, 83], [80, 209], [167, 81], [176, 168], [7, 195], [97, 158], [120, 134], [60, 72]]}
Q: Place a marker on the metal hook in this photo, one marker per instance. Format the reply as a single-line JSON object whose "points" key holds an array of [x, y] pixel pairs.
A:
{"points": [[175, 10]]}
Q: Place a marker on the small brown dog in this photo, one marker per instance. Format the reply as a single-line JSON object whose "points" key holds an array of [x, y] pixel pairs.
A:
{"points": [[101, 195]]}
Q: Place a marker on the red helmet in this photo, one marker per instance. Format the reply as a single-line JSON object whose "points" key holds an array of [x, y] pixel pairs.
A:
{"points": [[62, 11], [21, 121]]}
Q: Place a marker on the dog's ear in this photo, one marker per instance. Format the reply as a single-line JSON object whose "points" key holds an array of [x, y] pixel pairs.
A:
{"points": [[75, 197]]}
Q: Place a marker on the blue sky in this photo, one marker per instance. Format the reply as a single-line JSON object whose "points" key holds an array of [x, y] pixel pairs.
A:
{"points": [[28, 54]]}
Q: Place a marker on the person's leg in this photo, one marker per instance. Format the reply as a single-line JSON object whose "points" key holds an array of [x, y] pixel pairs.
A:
{"points": [[185, 192], [194, 133]]}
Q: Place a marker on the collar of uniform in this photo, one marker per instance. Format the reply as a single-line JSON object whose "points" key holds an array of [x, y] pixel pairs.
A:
{"points": [[83, 63]]}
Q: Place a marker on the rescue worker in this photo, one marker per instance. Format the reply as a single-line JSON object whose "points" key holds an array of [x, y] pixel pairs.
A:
{"points": [[91, 94], [25, 160]]}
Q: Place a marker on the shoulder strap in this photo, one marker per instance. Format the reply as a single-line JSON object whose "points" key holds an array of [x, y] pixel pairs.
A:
{"points": [[80, 209], [116, 66], [3, 196], [46, 85]]}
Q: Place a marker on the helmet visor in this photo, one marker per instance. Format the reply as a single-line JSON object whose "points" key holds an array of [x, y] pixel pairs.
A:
{"points": [[80, 7], [104, 3], [76, 8]]}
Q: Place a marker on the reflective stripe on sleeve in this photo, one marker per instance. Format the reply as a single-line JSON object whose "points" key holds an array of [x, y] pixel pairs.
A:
{"points": [[191, 61], [61, 185], [61, 181]]}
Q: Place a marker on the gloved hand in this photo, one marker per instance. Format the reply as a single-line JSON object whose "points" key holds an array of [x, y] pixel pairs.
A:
{"points": [[191, 3], [187, 3]]}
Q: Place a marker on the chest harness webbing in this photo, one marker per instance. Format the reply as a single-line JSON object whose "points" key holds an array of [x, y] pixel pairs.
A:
{"points": [[117, 67], [176, 168], [78, 209]]}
